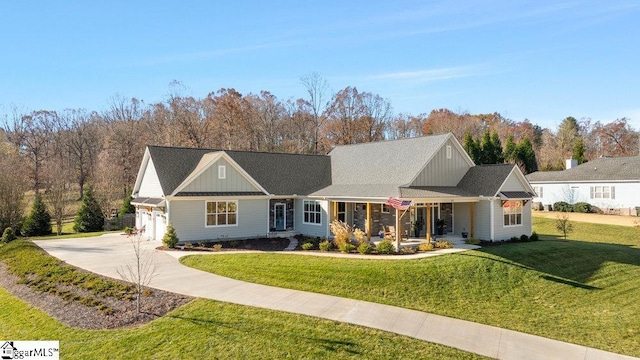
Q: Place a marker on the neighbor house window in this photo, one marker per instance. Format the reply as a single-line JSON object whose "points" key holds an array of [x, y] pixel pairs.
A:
{"points": [[538, 191], [603, 192], [312, 212], [222, 172], [385, 209], [221, 213], [512, 211]]}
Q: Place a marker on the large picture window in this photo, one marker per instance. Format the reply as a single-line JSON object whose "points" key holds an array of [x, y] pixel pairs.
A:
{"points": [[220, 213], [512, 211], [603, 192], [312, 212]]}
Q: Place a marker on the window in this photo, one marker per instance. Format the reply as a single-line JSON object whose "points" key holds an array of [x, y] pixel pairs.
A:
{"points": [[342, 211], [221, 213], [538, 191], [312, 212], [385, 209], [512, 211], [222, 172], [448, 151], [603, 192]]}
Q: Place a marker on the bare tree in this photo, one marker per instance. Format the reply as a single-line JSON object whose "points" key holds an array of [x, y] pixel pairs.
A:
{"points": [[141, 270], [83, 143], [317, 88], [564, 225], [58, 198], [12, 187]]}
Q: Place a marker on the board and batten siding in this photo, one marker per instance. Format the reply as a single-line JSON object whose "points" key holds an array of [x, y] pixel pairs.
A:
{"points": [[507, 232], [513, 183], [150, 184], [208, 180], [482, 219], [189, 220], [627, 194], [312, 229], [442, 171]]}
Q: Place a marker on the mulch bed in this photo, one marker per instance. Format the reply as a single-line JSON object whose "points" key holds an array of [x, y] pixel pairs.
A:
{"points": [[77, 315], [263, 244]]}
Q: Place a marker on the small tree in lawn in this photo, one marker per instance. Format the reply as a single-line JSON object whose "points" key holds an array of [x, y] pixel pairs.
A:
{"points": [[89, 217], [170, 238], [564, 225], [141, 270], [39, 220]]}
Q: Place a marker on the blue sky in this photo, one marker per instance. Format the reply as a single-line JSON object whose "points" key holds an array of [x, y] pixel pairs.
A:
{"points": [[540, 60]]}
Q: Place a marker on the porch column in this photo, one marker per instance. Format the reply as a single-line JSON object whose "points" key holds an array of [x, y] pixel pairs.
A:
{"points": [[472, 228], [398, 230], [335, 211], [428, 220], [368, 226]]}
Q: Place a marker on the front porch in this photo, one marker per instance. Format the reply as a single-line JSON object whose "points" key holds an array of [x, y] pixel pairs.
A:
{"points": [[456, 239]]}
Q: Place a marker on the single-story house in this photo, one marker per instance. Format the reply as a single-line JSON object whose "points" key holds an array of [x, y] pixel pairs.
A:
{"points": [[225, 194], [610, 183]]}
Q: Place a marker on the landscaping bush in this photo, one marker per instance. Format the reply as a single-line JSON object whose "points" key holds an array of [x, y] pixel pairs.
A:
{"points": [[39, 221], [347, 247], [307, 245], [472, 241], [443, 244], [514, 239], [170, 238], [426, 247], [216, 247], [524, 238], [89, 217], [325, 245], [562, 206], [360, 236], [365, 248], [582, 207], [385, 247], [126, 207], [534, 237], [8, 235], [409, 250], [341, 232]]}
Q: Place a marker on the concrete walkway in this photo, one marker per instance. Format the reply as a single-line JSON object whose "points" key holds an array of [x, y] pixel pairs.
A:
{"points": [[105, 254]]}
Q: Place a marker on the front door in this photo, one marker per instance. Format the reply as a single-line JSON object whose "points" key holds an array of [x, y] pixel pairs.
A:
{"points": [[280, 217]]}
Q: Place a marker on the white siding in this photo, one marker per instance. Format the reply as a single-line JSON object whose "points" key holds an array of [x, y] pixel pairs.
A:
{"points": [[627, 195], [507, 232], [482, 218], [208, 180], [462, 217], [150, 184], [188, 218], [513, 183], [311, 229], [442, 171]]}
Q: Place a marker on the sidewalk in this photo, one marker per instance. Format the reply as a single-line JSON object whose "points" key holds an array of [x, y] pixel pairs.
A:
{"points": [[104, 254]]}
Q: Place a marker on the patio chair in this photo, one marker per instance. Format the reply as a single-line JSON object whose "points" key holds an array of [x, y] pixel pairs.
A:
{"points": [[390, 232]]}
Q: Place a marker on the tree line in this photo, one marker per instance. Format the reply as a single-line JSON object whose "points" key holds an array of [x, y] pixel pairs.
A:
{"points": [[63, 151]]}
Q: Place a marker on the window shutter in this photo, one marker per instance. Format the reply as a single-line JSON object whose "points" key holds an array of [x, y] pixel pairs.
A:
{"points": [[592, 192], [613, 192]]}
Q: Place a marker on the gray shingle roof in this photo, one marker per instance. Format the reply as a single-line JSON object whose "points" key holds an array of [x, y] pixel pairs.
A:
{"points": [[601, 169], [485, 180], [278, 173]]}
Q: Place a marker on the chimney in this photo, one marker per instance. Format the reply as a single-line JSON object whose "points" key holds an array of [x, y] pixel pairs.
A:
{"points": [[570, 163]]}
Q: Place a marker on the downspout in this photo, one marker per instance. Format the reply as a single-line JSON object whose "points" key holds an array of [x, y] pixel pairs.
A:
{"points": [[492, 216]]}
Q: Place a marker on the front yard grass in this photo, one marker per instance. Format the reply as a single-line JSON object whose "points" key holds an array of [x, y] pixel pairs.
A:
{"points": [[205, 329], [584, 290]]}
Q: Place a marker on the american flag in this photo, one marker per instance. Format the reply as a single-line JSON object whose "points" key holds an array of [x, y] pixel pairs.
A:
{"points": [[398, 203]]}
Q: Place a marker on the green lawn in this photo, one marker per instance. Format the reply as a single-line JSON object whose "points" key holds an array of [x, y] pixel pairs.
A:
{"points": [[582, 291], [200, 329]]}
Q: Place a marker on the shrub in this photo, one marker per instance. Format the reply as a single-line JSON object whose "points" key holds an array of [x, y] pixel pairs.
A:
{"points": [[524, 238], [129, 230], [472, 241], [365, 248], [89, 217], [385, 247], [234, 243], [582, 207], [534, 237], [325, 245], [514, 239], [307, 246], [170, 238], [409, 250], [126, 207], [341, 232], [188, 245], [203, 244], [217, 247], [39, 221], [426, 247], [443, 244], [360, 236], [8, 235], [347, 247], [562, 206]]}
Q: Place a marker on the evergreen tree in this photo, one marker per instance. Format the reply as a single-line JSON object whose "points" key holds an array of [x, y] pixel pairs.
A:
{"points": [[578, 150], [526, 157], [496, 146], [39, 220], [510, 150], [486, 149], [170, 238], [126, 207], [471, 147], [89, 217]]}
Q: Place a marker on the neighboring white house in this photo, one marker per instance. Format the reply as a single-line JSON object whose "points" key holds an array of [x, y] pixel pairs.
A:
{"points": [[610, 183], [222, 194]]}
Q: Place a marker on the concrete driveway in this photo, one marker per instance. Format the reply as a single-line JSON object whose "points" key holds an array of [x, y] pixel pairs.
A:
{"points": [[105, 254]]}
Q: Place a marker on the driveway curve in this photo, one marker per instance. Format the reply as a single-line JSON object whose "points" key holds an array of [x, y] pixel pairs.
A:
{"points": [[107, 253]]}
